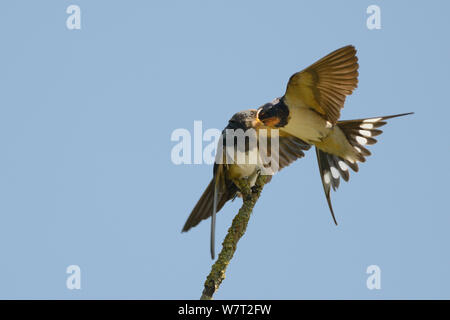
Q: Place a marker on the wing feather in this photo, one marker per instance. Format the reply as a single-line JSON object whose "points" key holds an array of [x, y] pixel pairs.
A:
{"points": [[325, 84]]}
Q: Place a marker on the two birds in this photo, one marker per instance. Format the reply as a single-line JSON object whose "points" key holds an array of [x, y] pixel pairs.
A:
{"points": [[307, 114]]}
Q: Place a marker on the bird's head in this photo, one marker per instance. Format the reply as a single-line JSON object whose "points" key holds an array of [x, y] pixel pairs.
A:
{"points": [[245, 120], [273, 114]]}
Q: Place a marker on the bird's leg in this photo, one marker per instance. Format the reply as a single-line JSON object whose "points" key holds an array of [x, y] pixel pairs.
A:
{"points": [[248, 185], [256, 187]]}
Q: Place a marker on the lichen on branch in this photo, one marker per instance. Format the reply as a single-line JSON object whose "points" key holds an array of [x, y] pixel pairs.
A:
{"points": [[235, 232]]}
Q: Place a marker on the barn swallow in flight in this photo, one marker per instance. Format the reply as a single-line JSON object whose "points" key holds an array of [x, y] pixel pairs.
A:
{"points": [[226, 173], [310, 110]]}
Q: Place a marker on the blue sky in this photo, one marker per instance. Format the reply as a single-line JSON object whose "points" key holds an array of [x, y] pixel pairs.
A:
{"points": [[85, 171]]}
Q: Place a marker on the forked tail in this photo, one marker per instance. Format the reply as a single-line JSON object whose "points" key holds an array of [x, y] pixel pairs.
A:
{"points": [[359, 133]]}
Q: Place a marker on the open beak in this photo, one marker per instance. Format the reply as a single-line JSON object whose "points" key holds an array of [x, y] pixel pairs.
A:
{"points": [[256, 123]]}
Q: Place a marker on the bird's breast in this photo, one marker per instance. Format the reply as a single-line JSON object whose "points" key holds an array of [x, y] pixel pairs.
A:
{"points": [[307, 124], [238, 171], [244, 164]]}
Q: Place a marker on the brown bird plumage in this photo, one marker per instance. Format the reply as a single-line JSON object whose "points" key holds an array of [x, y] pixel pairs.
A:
{"points": [[222, 186], [324, 85], [310, 110]]}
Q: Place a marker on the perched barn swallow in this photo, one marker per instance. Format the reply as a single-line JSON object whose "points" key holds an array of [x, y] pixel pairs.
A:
{"points": [[310, 110], [226, 172]]}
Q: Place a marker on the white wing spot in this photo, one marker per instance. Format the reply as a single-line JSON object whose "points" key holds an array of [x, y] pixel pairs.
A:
{"points": [[366, 126], [361, 140], [343, 165], [365, 133], [327, 177], [357, 149], [372, 120], [334, 172]]}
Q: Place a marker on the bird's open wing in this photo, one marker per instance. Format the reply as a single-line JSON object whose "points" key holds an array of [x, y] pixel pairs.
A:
{"points": [[290, 148], [324, 85], [204, 207]]}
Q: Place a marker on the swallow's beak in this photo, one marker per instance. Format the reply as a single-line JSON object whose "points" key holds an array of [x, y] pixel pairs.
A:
{"points": [[256, 123], [268, 116]]}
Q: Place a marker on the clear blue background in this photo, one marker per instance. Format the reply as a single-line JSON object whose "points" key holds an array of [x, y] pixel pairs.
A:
{"points": [[86, 176]]}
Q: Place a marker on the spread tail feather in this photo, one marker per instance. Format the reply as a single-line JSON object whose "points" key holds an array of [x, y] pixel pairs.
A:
{"points": [[359, 133], [324, 168]]}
